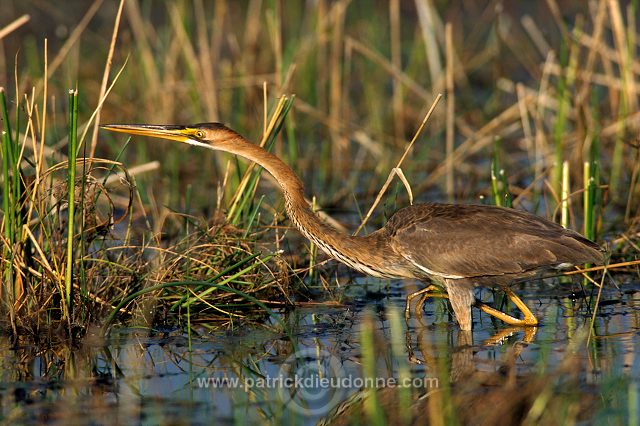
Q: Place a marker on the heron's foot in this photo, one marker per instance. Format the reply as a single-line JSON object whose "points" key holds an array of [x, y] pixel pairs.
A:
{"points": [[529, 319], [431, 291], [500, 336], [413, 359]]}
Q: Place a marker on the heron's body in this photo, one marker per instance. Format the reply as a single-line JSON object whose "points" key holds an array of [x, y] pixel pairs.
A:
{"points": [[457, 246]]}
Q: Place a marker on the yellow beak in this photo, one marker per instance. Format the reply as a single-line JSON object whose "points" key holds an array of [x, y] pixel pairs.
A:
{"points": [[172, 132]]}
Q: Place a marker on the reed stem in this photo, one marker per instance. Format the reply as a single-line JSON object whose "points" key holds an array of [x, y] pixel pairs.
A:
{"points": [[71, 185]]}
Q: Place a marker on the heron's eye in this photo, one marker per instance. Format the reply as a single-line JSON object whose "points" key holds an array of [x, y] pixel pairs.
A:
{"points": [[199, 134]]}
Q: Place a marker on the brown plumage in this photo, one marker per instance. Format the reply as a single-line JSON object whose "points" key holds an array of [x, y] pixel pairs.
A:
{"points": [[456, 246]]}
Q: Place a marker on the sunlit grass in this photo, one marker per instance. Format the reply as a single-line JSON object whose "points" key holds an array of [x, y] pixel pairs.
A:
{"points": [[150, 234], [361, 87]]}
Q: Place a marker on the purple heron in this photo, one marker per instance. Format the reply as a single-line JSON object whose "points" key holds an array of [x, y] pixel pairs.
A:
{"points": [[456, 247]]}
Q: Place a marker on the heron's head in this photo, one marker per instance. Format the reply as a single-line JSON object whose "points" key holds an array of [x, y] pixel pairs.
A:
{"points": [[201, 134]]}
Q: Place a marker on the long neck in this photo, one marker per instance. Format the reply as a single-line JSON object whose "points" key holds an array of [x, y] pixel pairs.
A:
{"points": [[361, 253]]}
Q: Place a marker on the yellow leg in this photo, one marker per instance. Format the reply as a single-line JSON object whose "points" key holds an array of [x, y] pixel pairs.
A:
{"points": [[528, 320], [529, 334], [426, 293], [425, 296]]}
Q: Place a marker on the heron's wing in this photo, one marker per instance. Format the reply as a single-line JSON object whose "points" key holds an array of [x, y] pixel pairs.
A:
{"points": [[457, 241]]}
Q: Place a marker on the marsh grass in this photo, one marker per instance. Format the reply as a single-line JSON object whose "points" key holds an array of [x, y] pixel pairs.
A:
{"points": [[461, 392], [64, 268], [78, 254], [71, 205], [57, 269], [74, 252], [106, 230]]}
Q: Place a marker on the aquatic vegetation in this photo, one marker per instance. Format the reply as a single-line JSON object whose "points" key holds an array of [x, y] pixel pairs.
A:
{"points": [[539, 110]]}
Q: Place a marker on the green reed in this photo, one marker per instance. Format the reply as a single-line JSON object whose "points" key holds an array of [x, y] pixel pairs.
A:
{"points": [[499, 183], [565, 194], [399, 356], [9, 219], [372, 408], [560, 123], [10, 168], [71, 186], [13, 209], [591, 176]]}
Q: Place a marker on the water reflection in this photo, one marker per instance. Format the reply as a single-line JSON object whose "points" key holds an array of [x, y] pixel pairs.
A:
{"points": [[240, 376]]}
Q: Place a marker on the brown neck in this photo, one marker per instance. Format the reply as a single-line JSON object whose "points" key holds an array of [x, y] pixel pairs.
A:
{"points": [[362, 253], [291, 185]]}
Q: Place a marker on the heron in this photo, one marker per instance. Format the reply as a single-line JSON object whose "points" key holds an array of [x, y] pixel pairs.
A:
{"points": [[452, 248]]}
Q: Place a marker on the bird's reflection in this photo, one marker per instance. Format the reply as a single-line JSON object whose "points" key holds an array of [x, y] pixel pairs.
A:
{"points": [[468, 393]]}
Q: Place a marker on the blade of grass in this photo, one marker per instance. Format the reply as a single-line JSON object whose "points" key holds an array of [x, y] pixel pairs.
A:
{"points": [[252, 218], [372, 407], [404, 155], [499, 184], [105, 78], [8, 221], [313, 248], [398, 350], [450, 115], [588, 199], [7, 149], [71, 181], [11, 204], [566, 190], [561, 121]]}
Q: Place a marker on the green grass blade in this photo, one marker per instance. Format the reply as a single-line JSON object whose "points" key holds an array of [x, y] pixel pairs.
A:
{"points": [[8, 197], [71, 176]]}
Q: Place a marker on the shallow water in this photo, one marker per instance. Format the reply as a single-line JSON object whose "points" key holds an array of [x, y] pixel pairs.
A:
{"points": [[149, 377]]}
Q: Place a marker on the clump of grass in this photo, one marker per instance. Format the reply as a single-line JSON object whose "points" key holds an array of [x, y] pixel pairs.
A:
{"points": [[213, 277], [74, 254], [55, 254]]}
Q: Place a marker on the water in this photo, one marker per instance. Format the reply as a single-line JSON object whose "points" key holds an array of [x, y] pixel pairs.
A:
{"points": [[149, 377]]}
